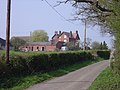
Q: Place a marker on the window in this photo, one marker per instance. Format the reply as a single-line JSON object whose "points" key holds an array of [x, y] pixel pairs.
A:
{"points": [[32, 48], [43, 49], [65, 40], [37, 47]]}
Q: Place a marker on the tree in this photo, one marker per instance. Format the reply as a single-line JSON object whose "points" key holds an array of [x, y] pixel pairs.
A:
{"points": [[105, 13], [100, 12], [73, 46], [104, 47], [101, 46], [16, 43], [87, 44], [40, 36], [95, 45]]}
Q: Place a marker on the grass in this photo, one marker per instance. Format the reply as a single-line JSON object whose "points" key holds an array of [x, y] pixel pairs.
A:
{"points": [[22, 82], [107, 80]]}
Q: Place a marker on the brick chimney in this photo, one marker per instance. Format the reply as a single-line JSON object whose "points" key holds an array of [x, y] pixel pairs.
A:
{"points": [[78, 38], [59, 32], [56, 32], [71, 34], [76, 32]]}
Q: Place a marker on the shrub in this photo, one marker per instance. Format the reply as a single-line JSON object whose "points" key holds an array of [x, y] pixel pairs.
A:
{"points": [[103, 54], [21, 64], [4, 69], [18, 65], [37, 63]]}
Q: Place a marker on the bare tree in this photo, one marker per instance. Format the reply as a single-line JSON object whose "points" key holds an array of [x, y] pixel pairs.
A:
{"points": [[96, 12]]}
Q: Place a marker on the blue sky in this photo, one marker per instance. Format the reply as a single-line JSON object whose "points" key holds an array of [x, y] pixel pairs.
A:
{"points": [[30, 15]]}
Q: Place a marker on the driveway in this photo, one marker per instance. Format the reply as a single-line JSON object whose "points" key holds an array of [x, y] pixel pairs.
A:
{"points": [[78, 80]]}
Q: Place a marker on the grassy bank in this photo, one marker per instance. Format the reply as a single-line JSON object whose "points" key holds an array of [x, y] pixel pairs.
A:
{"points": [[22, 82], [107, 80]]}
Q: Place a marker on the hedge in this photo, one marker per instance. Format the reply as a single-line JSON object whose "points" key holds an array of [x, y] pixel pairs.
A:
{"points": [[103, 54], [21, 64]]}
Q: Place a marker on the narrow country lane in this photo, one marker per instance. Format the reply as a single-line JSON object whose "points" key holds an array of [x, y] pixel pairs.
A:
{"points": [[78, 80]]}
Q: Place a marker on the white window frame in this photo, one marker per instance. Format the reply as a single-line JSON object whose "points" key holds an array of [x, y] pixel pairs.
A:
{"points": [[65, 40]]}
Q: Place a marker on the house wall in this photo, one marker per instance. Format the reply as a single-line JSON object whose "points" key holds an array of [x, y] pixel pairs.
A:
{"points": [[50, 48], [55, 38], [38, 48], [63, 38]]}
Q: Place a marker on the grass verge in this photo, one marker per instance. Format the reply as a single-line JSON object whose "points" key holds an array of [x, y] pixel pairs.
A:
{"points": [[107, 80], [22, 82]]}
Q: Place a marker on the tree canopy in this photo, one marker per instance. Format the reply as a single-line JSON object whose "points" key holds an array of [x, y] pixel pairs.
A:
{"points": [[40, 36], [16, 42], [95, 45]]}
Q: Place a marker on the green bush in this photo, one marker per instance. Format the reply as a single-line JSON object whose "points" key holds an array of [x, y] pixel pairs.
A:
{"points": [[21, 64], [18, 65], [4, 69], [37, 63], [103, 54]]}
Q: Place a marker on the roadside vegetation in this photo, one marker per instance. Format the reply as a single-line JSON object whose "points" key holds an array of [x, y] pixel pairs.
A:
{"points": [[26, 69], [22, 82], [107, 80]]}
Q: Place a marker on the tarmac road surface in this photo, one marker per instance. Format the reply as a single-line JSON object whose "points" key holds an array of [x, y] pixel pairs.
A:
{"points": [[77, 80]]}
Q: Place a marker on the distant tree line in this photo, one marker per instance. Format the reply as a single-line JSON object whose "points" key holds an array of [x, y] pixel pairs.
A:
{"points": [[99, 46]]}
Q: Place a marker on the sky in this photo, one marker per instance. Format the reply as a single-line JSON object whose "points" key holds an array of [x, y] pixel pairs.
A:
{"points": [[30, 15]]}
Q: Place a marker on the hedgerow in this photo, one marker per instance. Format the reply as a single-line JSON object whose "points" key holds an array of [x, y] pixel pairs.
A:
{"points": [[22, 64], [103, 54]]}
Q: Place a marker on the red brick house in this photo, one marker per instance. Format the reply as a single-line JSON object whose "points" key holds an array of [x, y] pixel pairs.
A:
{"points": [[58, 40], [38, 46]]}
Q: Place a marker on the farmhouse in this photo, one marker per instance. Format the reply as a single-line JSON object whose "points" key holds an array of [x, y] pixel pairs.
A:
{"points": [[57, 42], [65, 37]]}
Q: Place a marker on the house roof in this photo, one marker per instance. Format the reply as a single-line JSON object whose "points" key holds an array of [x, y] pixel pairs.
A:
{"points": [[66, 33], [2, 42], [76, 36], [69, 34], [55, 35], [38, 43]]}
